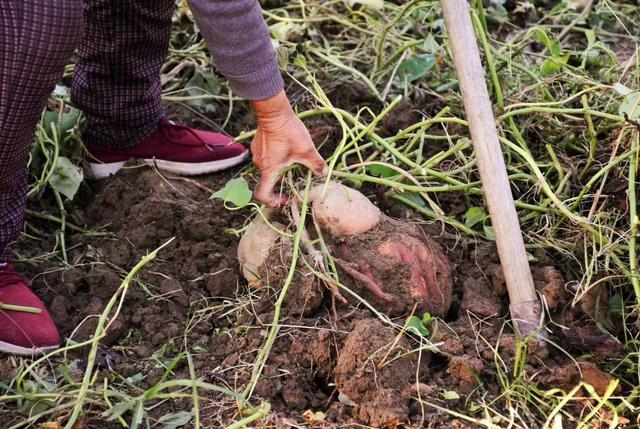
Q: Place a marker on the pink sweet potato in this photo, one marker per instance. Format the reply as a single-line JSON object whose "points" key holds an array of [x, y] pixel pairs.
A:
{"points": [[396, 262]]}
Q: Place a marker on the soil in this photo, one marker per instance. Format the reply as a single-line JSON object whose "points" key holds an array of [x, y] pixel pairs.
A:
{"points": [[353, 368]]}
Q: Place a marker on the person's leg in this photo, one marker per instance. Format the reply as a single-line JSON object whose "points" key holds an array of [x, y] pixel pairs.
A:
{"points": [[117, 85], [117, 77], [37, 38]]}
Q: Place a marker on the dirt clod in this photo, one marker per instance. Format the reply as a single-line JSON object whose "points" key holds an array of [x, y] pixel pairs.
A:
{"points": [[372, 373]]}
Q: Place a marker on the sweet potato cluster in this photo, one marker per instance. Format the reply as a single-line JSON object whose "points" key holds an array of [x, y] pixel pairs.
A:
{"points": [[395, 265]]}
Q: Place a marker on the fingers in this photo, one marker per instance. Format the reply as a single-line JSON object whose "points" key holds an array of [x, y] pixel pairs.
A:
{"points": [[265, 190], [314, 162]]}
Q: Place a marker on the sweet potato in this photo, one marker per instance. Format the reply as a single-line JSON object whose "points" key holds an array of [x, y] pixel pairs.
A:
{"points": [[393, 260], [399, 266], [343, 211], [254, 248], [265, 259]]}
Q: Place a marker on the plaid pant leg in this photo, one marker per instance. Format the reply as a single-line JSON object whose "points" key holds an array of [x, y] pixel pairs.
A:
{"points": [[37, 38], [117, 77]]}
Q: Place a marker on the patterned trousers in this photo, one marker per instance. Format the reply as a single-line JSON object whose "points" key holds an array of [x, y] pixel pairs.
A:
{"points": [[121, 46]]}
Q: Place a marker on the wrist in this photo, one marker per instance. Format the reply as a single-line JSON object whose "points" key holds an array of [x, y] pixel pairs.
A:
{"points": [[272, 109]]}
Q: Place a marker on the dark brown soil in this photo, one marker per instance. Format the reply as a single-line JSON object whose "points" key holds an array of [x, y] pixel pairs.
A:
{"points": [[354, 368]]}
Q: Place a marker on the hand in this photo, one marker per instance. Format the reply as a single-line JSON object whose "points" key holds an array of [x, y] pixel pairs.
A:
{"points": [[281, 140]]}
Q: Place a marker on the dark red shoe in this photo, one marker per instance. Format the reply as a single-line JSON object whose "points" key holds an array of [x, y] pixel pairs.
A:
{"points": [[173, 148], [26, 328]]}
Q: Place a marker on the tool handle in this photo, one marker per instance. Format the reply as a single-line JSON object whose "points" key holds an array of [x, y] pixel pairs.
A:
{"points": [[493, 173]]}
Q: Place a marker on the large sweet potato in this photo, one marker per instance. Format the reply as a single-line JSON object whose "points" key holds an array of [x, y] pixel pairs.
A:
{"points": [[393, 260]]}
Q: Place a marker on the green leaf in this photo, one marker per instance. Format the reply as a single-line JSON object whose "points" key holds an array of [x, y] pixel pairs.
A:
{"points": [[300, 61], [591, 37], [175, 420], [381, 170], [450, 395], [629, 105], [235, 191], [553, 65], [416, 198], [430, 45], [473, 216], [64, 121], [616, 305], [497, 12], [119, 409], [203, 83], [543, 38], [415, 67], [553, 46], [415, 325], [621, 89], [489, 232], [282, 54], [66, 177], [284, 31], [135, 379]]}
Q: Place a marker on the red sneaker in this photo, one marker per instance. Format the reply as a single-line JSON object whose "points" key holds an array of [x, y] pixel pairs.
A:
{"points": [[173, 148], [28, 330]]}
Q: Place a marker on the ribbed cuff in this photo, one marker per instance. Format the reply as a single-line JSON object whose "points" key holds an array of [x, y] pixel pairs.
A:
{"points": [[260, 84]]}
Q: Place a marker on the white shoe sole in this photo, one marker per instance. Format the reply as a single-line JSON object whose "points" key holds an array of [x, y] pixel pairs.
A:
{"points": [[24, 351], [100, 171]]}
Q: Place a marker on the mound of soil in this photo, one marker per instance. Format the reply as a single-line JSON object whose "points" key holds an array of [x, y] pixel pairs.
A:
{"points": [[144, 210], [346, 364], [375, 372]]}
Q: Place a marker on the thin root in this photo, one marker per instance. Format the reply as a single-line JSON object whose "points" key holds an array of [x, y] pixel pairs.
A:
{"points": [[366, 281]]}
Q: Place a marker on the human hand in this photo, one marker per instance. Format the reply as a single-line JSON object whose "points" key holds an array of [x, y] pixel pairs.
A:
{"points": [[281, 140]]}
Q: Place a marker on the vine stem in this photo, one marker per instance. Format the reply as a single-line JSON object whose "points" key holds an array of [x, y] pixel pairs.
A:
{"points": [[260, 412], [633, 219], [263, 354], [101, 330]]}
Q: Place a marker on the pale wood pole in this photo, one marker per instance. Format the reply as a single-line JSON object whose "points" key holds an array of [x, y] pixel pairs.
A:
{"points": [[524, 305]]}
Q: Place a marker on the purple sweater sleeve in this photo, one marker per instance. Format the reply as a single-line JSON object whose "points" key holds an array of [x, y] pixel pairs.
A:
{"points": [[239, 41]]}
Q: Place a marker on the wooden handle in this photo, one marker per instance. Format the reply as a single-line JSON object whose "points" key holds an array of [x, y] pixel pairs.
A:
{"points": [[525, 308]]}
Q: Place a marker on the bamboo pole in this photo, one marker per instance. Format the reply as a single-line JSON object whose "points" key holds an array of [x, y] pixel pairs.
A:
{"points": [[525, 307]]}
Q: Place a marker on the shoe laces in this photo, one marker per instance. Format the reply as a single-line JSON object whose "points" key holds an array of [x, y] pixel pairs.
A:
{"points": [[173, 131]]}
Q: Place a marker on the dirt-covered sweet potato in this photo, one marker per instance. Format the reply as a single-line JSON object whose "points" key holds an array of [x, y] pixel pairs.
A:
{"points": [[391, 262], [254, 248], [395, 261], [265, 259]]}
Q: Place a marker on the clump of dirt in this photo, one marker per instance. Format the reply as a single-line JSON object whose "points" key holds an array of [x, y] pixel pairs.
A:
{"points": [[374, 372], [144, 210], [568, 376]]}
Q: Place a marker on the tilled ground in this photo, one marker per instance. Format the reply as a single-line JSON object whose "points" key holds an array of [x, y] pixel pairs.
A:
{"points": [[352, 367]]}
